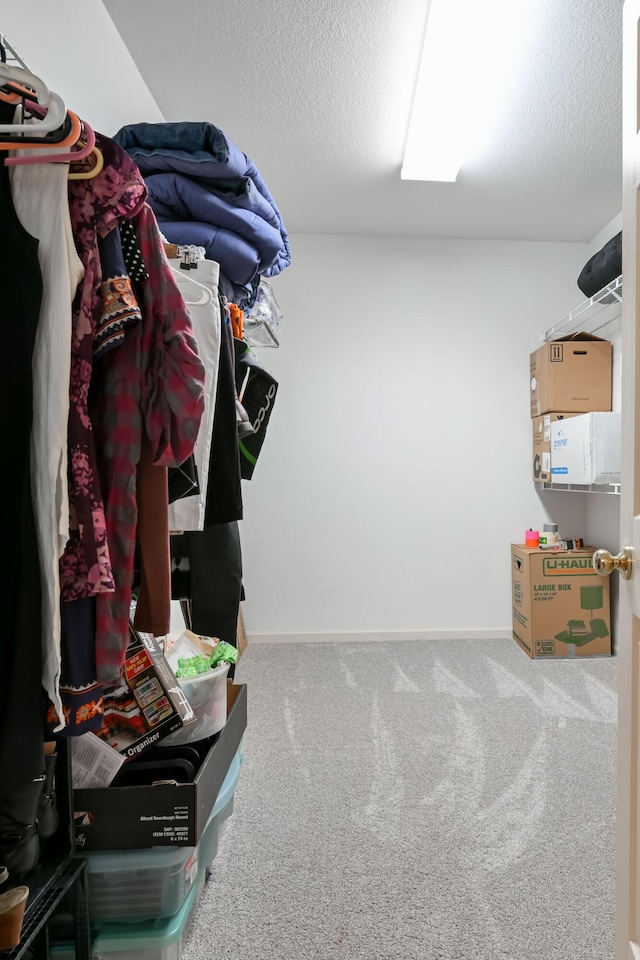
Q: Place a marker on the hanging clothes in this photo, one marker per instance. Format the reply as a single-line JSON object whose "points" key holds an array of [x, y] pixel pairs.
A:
{"points": [[183, 480], [258, 397], [188, 513], [157, 379], [41, 201], [153, 609], [80, 691], [21, 708], [224, 489], [96, 207], [120, 308], [207, 571]]}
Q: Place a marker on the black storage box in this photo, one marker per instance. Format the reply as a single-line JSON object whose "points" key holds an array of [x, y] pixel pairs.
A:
{"points": [[163, 814]]}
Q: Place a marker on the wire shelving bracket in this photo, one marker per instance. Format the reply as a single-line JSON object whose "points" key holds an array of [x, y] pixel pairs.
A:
{"points": [[592, 315], [11, 53]]}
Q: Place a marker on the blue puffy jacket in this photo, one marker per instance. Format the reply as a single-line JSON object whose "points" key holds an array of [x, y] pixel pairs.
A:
{"points": [[205, 190], [175, 198]]}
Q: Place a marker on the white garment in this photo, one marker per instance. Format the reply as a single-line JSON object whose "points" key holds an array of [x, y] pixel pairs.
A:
{"points": [[189, 512], [41, 201]]}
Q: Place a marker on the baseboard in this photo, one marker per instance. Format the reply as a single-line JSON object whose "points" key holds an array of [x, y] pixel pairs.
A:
{"points": [[372, 636]]}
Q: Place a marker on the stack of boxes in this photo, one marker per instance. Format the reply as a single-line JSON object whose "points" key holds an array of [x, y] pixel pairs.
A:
{"points": [[570, 377], [149, 840], [574, 441], [561, 608]]}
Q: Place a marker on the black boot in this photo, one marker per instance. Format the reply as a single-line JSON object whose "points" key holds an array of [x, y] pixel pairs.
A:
{"points": [[19, 843], [47, 806], [20, 851]]}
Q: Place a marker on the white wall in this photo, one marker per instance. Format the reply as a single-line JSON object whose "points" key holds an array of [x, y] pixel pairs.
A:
{"points": [[397, 466], [75, 47], [610, 230]]}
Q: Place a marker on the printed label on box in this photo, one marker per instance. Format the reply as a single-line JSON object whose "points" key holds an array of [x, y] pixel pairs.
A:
{"points": [[148, 691], [556, 352], [158, 711], [137, 664], [545, 648], [567, 566]]}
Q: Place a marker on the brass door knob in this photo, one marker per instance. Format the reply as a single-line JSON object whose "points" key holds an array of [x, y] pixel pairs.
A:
{"points": [[604, 562]]}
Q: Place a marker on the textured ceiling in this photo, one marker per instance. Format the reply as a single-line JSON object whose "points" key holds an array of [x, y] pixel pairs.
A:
{"points": [[318, 93]]}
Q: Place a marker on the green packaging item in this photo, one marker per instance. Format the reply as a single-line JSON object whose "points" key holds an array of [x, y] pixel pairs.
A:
{"points": [[192, 666], [223, 653], [199, 664]]}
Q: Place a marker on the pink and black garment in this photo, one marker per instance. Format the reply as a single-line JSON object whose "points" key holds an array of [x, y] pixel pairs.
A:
{"points": [[154, 383], [96, 207], [80, 692], [119, 305]]}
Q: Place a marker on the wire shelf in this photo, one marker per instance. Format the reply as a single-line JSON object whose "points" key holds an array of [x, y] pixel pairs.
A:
{"points": [[44, 905], [11, 53], [610, 488], [592, 315]]}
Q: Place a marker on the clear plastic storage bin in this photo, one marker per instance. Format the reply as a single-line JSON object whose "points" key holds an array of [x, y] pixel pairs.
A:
{"points": [[152, 940], [133, 885], [207, 694], [138, 885], [208, 846]]}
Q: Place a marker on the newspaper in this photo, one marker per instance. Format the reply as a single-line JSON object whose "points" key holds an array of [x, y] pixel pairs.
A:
{"points": [[94, 762]]}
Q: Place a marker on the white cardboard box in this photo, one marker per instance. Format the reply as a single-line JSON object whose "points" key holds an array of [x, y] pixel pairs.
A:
{"points": [[586, 449]]}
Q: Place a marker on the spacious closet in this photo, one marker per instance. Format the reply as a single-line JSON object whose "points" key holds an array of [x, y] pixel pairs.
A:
{"points": [[268, 407]]}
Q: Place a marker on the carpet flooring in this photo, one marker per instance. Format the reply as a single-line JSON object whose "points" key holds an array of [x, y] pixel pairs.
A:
{"points": [[418, 801]]}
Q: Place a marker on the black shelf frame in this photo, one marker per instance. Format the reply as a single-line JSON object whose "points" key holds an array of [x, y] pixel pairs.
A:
{"points": [[71, 884], [56, 879]]}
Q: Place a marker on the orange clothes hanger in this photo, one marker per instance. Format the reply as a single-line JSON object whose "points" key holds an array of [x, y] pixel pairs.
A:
{"points": [[69, 140], [58, 156]]}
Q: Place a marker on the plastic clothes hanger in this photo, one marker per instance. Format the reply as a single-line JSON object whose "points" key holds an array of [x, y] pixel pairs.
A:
{"points": [[14, 92], [30, 133], [194, 303], [21, 144], [58, 157], [95, 169], [56, 113], [21, 76], [24, 99]]}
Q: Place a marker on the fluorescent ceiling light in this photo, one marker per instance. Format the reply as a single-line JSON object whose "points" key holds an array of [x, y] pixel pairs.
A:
{"points": [[470, 50]]}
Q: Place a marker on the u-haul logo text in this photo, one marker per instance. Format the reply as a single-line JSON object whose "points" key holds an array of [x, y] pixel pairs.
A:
{"points": [[570, 567]]}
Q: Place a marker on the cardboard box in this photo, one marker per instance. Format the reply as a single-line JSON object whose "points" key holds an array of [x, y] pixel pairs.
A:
{"points": [[165, 813], [542, 444], [561, 606], [571, 374], [241, 634], [587, 449], [148, 704]]}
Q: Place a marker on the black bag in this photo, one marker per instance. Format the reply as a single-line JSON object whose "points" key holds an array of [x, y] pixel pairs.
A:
{"points": [[258, 397], [603, 267]]}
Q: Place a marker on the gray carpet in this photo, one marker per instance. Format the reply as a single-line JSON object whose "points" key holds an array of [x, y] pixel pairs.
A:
{"points": [[418, 801]]}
